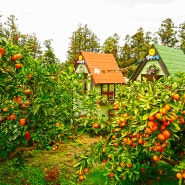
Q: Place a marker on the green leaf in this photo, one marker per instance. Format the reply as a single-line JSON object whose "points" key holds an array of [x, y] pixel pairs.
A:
{"points": [[145, 116], [174, 127], [76, 165], [37, 109], [154, 111]]}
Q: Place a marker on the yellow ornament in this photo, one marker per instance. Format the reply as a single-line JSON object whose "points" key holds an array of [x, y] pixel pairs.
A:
{"points": [[151, 51], [80, 57]]}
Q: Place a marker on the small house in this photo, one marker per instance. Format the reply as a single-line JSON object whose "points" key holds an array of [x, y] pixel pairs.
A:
{"points": [[104, 74], [160, 61]]}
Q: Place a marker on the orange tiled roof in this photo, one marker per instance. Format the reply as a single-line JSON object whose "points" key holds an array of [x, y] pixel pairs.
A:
{"points": [[109, 69]]}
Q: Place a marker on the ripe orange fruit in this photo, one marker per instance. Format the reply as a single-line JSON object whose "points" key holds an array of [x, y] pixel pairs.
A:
{"points": [[116, 144], [155, 158], [2, 51], [57, 124], [19, 56], [129, 165], [111, 175], [140, 141], [125, 139], [5, 109], [183, 175], [167, 107], [161, 137], [151, 117], [175, 96], [122, 124], [80, 172], [18, 66], [166, 134], [162, 110], [113, 137], [86, 170], [12, 117], [118, 121], [81, 178], [121, 164], [95, 125], [179, 175], [158, 116], [22, 121], [27, 91], [148, 130]]}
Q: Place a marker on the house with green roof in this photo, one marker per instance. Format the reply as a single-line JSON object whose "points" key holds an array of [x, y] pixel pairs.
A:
{"points": [[160, 61]]}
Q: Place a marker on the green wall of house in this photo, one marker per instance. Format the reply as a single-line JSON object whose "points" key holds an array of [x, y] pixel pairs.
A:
{"points": [[149, 62]]}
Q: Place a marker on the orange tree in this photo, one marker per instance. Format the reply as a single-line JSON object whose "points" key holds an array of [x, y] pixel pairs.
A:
{"points": [[36, 100], [147, 134]]}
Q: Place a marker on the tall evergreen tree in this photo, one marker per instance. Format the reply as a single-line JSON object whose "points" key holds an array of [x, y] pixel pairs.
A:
{"points": [[167, 33], [82, 39], [134, 50], [49, 55], [111, 45], [182, 36]]}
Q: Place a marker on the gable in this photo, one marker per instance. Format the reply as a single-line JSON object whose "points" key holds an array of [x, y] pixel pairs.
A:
{"points": [[168, 60], [102, 67]]}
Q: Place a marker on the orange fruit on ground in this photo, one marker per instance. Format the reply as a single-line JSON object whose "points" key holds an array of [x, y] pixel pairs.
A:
{"points": [[155, 158], [179, 175], [175, 96], [166, 134], [161, 137], [22, 121], [45, 170]]}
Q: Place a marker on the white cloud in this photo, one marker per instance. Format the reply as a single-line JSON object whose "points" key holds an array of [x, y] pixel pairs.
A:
{"points": [[57, 19]]}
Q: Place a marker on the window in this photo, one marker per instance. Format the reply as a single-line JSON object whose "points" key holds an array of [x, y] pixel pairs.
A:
{"points": [[108, 91]]}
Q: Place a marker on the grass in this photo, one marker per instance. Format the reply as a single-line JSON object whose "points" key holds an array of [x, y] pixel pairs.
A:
{"points": [[29, 169]]}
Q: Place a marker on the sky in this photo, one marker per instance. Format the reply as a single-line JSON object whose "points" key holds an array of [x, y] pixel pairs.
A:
{"points": [[58, 19]]}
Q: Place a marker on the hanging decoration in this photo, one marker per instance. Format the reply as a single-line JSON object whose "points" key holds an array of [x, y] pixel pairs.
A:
{"points": [[152, 69]]}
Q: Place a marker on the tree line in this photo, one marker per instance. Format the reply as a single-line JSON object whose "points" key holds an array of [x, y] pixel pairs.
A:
{"points": [[127, 55]]}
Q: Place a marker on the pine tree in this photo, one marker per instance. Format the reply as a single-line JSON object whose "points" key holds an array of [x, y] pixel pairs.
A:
{"points": [[82, 39], [167, 33]]}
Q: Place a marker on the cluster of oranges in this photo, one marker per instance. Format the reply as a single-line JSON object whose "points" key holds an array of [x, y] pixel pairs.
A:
{"points": [[81, 174]]}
